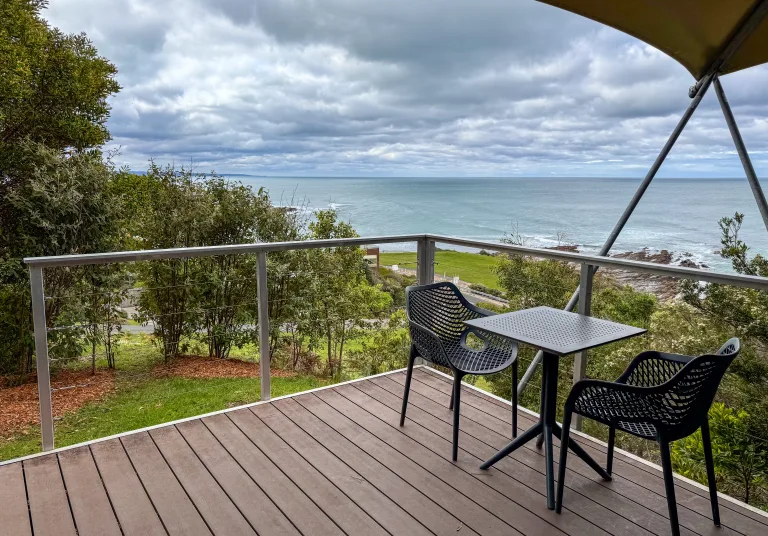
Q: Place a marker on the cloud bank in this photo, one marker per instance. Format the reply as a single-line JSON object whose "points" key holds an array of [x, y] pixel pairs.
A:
{"points": [[403, 87]]}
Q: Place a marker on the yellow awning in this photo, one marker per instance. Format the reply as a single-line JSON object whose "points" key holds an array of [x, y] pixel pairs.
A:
{"points": [[691, 31]]}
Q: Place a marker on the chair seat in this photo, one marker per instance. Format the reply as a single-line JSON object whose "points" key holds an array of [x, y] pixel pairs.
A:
{"points": [[483, 361], [609, 406]]}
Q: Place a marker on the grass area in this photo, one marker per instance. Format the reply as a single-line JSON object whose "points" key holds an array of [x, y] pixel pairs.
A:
{"points": [[137, 405], [141, 399], [470, 267]]}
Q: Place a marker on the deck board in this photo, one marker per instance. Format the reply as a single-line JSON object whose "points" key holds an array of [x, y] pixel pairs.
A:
{"points": [[381, 466], [216, 507], [48, 503], [379, 506], [87, 496], [345, 512], [134, 509], [291, 500], [14, 515], [335, 461], [173, 505], [249, 498]]}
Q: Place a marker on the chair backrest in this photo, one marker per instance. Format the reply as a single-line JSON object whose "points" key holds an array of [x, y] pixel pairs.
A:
{"points": [[693, 390], [439, 307]]}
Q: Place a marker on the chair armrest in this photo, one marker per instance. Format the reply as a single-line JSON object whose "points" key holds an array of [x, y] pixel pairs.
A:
{"points": [[624, 401], [652, 368], [428, 344], [480, 310], [491, 340]]}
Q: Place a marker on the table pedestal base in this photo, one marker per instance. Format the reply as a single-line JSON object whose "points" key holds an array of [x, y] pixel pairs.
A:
{"points": [[547, 427]]}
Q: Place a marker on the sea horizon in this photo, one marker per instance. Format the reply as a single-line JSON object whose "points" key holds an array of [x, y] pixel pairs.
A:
{"points": [[677, 214]]}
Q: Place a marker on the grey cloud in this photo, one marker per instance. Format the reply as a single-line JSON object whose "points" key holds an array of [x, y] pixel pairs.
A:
{"points": [[457, 87]]}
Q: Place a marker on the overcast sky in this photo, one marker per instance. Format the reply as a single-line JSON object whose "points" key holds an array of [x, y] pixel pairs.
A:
{"points": [[402, 87]]}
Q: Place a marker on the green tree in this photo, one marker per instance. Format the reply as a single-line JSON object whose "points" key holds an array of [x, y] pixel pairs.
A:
{"points": [[388, 349], [530, 282], [339, 296], [227, 284], [54, 199], [62, 207], [53, 86], [175, 215]]}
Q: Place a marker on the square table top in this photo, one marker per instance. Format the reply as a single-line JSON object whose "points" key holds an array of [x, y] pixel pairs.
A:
{"points": [[554, 330]]}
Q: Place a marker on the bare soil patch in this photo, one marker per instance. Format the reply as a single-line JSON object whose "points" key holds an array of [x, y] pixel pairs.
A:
{"points": [[19, 406]]}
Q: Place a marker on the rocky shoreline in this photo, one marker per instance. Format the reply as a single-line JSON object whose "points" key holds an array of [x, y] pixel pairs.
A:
{"points": [[663, 287]]}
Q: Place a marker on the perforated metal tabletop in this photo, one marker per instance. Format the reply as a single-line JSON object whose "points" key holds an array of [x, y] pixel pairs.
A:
{"points": [[555, 331]]}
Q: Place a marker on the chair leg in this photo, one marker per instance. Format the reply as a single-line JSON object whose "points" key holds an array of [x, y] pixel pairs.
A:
{"points": [[540, 439], [408, 375], [456, 408], [514, 399], [563, 457], [611, 441], [707, 441], [669, 484], [450, 404]]}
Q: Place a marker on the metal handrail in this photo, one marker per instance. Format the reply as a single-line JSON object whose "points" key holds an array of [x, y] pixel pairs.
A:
{"points": [[210, 251], [739, 280], [425, 269]]}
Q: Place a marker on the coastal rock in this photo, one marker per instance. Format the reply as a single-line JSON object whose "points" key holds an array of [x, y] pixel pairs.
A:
{"points": [[663, 287], [565, 247]]}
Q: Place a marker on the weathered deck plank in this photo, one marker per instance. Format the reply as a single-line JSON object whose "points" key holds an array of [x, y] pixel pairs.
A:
{"points": [[336, 462]]}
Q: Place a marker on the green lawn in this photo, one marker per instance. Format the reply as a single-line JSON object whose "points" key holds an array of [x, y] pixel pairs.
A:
{"points": [[153, 401], [470, 267]]}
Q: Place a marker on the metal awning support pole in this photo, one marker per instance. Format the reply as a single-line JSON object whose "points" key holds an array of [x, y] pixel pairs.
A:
{"points": [[757, 190], [706, 82]]}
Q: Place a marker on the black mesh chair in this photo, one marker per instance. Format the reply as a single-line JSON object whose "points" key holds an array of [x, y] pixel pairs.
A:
{"points": [[663, 397], [436, 315]]}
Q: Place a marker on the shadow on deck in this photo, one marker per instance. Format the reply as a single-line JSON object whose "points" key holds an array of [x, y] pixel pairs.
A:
{"points": [[335, 461]]}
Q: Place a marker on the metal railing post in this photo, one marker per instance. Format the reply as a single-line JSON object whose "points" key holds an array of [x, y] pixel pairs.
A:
{"points": [[425, 257], [585, 308], [41, 356], [263, 312]]}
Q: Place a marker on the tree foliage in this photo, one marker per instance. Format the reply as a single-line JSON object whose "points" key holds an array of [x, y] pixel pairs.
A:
{"points": [[53, 86], [54, 198], [740, 458]]}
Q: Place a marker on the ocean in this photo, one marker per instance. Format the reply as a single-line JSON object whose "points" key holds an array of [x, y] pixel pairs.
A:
{"points": [[680, 215]]}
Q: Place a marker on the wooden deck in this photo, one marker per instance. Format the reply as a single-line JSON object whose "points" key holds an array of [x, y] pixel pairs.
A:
{"points": [[334, 462]]}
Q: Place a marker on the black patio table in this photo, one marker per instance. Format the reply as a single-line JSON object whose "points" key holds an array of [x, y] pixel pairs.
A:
{"points": [[555, 333]]}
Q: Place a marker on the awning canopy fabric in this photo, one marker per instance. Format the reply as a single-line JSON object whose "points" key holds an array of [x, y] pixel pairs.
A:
{"points": [[693, 32]]}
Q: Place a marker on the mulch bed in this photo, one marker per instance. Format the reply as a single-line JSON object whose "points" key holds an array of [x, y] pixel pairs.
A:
{"points": [[19, 406], [199, 367]]}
